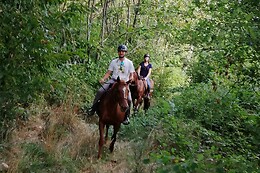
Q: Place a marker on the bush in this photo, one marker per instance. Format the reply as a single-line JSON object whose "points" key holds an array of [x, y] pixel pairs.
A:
{"points": [[224, 113]]}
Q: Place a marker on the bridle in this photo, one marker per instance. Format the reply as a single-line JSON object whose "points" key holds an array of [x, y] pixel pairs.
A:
{"points": [[122, 108]]}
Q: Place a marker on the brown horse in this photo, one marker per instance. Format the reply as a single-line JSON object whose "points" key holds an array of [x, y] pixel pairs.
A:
{"points": [[147, 101], [111, 111], [138, 89]]}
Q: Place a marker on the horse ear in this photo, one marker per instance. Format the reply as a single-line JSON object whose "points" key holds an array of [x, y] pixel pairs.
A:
{"points": [[118, 79]]}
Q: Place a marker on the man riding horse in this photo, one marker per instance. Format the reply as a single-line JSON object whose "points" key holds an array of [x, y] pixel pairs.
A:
{"points": [[120, 67]]}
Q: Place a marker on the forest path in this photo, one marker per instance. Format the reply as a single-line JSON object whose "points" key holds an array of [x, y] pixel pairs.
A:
{"points": [[64, 134]]}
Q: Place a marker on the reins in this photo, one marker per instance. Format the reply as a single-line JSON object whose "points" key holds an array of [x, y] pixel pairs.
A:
{"points": [[104, 88]]}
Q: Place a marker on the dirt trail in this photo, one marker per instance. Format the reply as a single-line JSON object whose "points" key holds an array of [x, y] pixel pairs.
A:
{"points": [[81, 143]]}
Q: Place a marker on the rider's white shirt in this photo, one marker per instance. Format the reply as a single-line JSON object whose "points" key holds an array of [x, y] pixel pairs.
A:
{"points": [[122, 70]]}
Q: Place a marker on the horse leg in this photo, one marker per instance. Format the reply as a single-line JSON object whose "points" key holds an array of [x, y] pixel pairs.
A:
{"points": [[101, 138], [135, 105], [106, 137], [116, 129], [146, 104], [139, 102]]}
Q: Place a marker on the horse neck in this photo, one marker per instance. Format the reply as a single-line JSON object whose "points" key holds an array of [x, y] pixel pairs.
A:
{"points": [[111, 95], [135, 77]]}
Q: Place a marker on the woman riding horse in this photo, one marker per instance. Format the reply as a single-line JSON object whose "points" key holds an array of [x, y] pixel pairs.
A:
{"points": [[144, 70], [142, 84]]}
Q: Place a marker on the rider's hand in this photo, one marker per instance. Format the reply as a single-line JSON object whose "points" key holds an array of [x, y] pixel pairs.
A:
{"points": [[102, 81]]}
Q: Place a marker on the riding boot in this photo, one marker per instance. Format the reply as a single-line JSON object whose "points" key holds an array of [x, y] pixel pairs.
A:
{"points": [[93, 109], [148, 88], [148, 92]]}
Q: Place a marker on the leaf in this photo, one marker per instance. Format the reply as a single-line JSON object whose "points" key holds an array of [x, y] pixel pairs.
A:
{"points": [[146, 161]]}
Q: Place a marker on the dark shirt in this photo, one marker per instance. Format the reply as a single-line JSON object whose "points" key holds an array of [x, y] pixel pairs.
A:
{"points": [[144, 69]]}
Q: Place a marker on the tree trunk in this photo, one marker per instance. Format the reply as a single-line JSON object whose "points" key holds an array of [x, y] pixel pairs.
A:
{"points": [[128, 21], [137, 7], [104, 18], [102, 35], [89, 23]]}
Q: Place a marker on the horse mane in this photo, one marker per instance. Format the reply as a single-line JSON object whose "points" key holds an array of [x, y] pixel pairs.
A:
{"points": [[109, 92]]}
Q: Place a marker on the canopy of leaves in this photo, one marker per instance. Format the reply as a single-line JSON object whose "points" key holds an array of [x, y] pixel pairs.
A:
{"points": [[205, 56]]}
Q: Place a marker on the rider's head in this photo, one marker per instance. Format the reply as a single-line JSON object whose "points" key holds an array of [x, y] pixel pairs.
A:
{"points": [[122, 49], [146, 57]]}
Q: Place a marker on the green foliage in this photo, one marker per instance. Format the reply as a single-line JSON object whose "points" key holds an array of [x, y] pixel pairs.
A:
{"points": [[142, 124], [186, 146], [54, 50], [216, 119], [24, 62], [224, 36], [220, 111], [37, 38], [167, 78], [68, 82], [37, 158]]}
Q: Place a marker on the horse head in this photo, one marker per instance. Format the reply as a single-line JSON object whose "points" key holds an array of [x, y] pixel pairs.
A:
{"points": [[134, 80], [122, 92]]}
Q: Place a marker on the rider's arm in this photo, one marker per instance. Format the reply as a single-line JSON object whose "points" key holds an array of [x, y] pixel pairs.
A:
{"points": [[138, 70], [106, 76], [149, 73], [131, 76]]}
